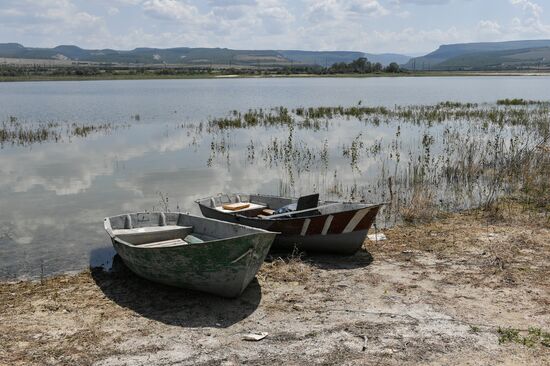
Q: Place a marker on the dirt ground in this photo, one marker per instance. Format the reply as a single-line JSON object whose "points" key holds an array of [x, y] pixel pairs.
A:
{"points": [[464, 289]]}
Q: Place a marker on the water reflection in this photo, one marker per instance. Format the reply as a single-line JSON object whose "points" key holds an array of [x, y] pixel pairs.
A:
{"points": [[55, 195], [58, 193]]}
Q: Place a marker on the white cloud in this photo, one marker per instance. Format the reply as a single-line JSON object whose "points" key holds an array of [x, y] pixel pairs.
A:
{"points": [[229, 3], [343, 10], [531, 25], [230, 12], [489, 28], [404, 14], [422, 2], [422, 38], [367, 7], [62, 12], [275, 17], [170, 9], [50, 23], [361, 25], [11, 12], [534, 8], [126, 2], [319, 11]]}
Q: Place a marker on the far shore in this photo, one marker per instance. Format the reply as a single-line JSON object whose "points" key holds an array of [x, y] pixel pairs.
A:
{"points": [[267, 76]]}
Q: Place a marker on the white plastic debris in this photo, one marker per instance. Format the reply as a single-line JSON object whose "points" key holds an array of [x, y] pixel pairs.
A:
{"points": [[254, 337], [365, 339], [377, 237]]}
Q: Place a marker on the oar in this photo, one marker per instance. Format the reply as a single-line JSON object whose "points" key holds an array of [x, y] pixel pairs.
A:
{"points": [[301, 211]]}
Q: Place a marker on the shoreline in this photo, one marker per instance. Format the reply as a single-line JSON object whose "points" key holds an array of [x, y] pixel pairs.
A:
{"points": [[469, 284], [269, 76]]}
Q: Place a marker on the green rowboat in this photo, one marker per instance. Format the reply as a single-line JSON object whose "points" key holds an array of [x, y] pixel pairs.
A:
{"points": [[187, 251]]}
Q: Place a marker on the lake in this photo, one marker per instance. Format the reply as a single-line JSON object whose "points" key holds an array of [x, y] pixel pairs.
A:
{"points": [[159, 152]]}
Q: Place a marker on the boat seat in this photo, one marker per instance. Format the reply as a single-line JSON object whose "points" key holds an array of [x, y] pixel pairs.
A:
{"points": [[149, 229], [164, 244], [307, 202], [189, 239], [155, 234]]}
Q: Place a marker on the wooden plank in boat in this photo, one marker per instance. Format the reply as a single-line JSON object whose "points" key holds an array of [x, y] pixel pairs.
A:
{"points": [[149, 229], [252, 206], [164, 244], [236, 206]]}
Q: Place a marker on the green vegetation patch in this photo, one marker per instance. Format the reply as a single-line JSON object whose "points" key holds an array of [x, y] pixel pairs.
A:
{"points": [[519, 101], [533, 337]]}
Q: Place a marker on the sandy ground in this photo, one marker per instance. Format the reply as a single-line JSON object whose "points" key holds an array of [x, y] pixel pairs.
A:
{"points": [[433, 294]]}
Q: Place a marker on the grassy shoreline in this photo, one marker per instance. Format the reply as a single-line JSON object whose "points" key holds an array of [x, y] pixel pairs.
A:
{"points": [[263, 76], [459, 286]]}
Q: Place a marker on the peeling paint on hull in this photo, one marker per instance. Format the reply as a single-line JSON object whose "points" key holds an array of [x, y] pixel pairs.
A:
{"points": [[222, 267]]}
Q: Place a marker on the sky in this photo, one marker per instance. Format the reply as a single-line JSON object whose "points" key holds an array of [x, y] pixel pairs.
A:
{"points": [[402, 26]]}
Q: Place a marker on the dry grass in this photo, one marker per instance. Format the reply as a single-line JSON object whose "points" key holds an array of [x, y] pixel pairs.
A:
{"points": [[427, 288], [292, 268], [510, 247], [421, 208]]}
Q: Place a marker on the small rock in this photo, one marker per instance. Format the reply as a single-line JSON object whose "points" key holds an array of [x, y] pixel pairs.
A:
{"points": [[377, 237], [254, 337]]}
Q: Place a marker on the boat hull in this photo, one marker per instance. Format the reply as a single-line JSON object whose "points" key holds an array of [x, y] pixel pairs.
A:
{"points": [[335, 233], [222, 267], [344, 244]]}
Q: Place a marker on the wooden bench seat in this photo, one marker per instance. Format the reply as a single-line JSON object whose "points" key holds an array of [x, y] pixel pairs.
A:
{"points": [[152, 234], [165, 244], [149, 229]]}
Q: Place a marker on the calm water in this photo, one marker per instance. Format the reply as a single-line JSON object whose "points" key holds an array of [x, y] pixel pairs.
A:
{"points": [[54, 195]]}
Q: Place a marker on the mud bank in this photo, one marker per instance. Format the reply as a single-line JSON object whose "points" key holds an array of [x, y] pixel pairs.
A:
{"points": [[465, 289]]}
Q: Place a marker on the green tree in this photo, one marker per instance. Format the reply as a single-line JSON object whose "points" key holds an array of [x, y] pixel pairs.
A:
{"points": [[393, 67]]}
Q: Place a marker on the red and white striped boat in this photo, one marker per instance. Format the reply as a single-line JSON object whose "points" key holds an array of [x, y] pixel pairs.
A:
{"points": [[310, 226]]}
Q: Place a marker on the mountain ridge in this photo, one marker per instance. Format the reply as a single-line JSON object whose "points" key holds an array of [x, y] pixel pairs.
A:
{"points": [[497, 55], [194, 55]]}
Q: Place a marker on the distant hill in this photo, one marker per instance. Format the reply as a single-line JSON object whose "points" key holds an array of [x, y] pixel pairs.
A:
{"points": [[486, 55], [388, 58], [510, 59], [327, 58], [320, 57], [193, 56]]}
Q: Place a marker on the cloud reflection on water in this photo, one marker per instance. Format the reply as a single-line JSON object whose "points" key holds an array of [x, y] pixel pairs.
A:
{"points": [[58, 193]]}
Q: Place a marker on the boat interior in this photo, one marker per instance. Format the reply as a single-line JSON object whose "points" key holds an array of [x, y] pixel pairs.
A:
{"points": [[273, 207], [161, 230]]}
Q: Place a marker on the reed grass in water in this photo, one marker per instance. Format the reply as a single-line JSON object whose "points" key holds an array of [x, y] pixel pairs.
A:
{"points": [[441, 157], [468, 155]]}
